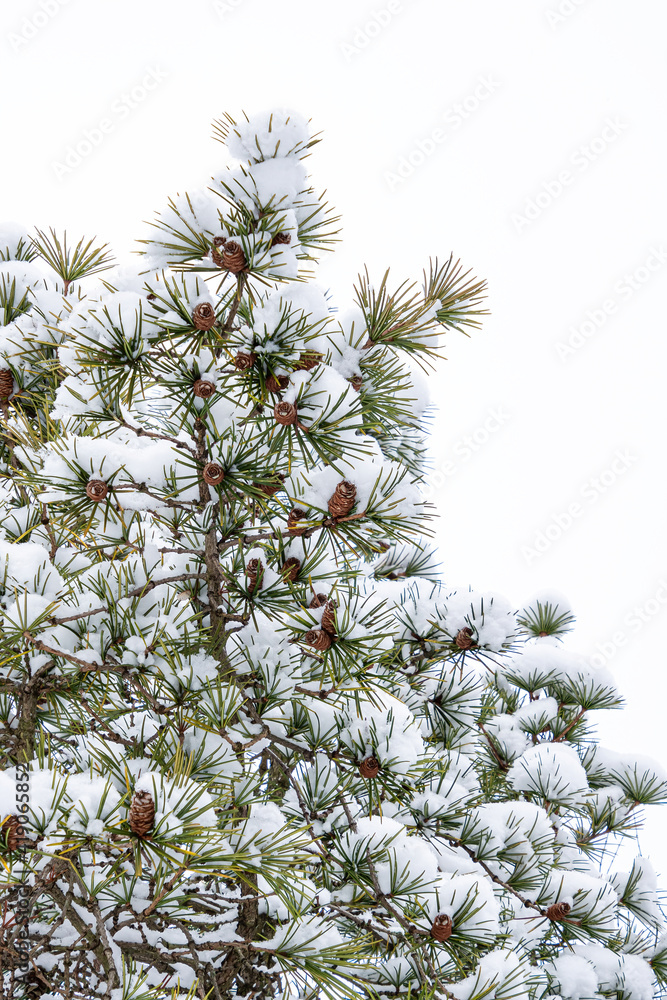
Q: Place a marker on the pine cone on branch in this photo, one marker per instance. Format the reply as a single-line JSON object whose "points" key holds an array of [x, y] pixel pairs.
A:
{"points": [[142, 813], [6, 384], [232, 257], [318, 638], [464, 639], [216, 256], [203, 388], [276, 383], [12, 833], [290, 569], [307, 361], [356, 382], [558, 911], [213, 473], [254, 572], [96, 490], [270, 489], [342, 499], [203, 316], [369, 768], [442, 927], [285, 413], [318, 600], [244, 360], [294, 516], [329, 618], [281, 238]]}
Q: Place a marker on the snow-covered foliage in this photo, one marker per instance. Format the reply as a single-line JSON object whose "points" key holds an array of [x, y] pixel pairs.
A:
{"points": [[258, 747]]}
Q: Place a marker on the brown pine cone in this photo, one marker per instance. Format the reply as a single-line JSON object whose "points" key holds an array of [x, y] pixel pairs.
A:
{"points": [[213, 473], [558, 911], [96, 490], [329, 618], [218, 241], [12, 833], [254, 572], [318, 600], [294, 516], [6, 384], [369, 768], [442, 927], [307, 361], [317, 638], [285, 413], [203, 316], [279, 238], [243, 361], [232, 257], [356, 382], [142, 813], [342, 499], [276, 383], [203, 388], [269, 489], [290, 569], [464, 639]]}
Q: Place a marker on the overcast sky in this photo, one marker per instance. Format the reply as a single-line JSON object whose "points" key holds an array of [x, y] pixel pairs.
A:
{"points": [[526, 136]]}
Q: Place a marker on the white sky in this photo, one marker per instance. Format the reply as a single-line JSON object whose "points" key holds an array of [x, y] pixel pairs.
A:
{"points": [[521, 93]]}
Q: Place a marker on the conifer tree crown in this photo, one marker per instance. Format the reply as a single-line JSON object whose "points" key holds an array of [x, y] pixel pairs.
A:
{"points": [[252, 745]]}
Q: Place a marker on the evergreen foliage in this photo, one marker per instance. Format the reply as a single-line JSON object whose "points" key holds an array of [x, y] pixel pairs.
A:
{"points": [[268, 753]]}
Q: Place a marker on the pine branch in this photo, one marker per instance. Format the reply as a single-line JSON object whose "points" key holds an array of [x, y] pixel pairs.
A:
{"points": [[83, 261], [139, 591]]}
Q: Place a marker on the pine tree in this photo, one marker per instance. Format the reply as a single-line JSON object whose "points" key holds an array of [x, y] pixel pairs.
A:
{"points": [[252, 745]]}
